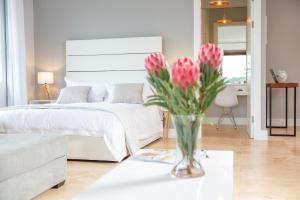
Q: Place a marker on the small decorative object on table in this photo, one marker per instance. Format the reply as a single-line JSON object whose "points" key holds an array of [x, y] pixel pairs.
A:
{"points": [[186, 91], [281, 76], [273, 75]]}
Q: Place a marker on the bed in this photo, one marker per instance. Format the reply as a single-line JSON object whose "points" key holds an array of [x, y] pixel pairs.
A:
{"points": [[100, 130]]}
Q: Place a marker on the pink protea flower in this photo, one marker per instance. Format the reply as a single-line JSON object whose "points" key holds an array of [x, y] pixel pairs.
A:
{"points": [[185, 73], [211, 55], [155, 62]]}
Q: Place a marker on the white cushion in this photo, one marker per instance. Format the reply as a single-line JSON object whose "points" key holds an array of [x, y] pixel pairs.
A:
{"points": [[74, 94], [147, 91], [131, 93], [20, 153], [97, 92]]}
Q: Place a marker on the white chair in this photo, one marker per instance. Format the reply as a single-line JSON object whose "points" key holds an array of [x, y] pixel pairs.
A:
{"points": [[227, 99]]}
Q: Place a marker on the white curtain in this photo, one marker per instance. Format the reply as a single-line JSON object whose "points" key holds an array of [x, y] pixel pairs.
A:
{"points": [[15, 46], [2, 55]]}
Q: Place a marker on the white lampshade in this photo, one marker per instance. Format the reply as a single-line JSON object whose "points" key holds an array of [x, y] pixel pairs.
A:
{"points": [[45, 78]]}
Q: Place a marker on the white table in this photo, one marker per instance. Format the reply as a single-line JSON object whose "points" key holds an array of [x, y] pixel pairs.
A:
{"points": [[240, 89], [139, 180]]}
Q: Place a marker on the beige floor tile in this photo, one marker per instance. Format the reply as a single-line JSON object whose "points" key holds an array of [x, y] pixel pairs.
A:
{"points": [[263, 170]]}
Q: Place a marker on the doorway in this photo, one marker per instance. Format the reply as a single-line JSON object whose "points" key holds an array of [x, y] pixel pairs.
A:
{"points": [[216, 28]]}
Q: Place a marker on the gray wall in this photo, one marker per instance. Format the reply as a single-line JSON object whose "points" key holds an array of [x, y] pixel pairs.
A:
{"points": [[263, 65], [283, 48], [56, 21]]}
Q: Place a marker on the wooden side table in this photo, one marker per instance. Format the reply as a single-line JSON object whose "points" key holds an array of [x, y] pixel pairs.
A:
{"points": [[37, 101], [285, 86], [166, 123]]}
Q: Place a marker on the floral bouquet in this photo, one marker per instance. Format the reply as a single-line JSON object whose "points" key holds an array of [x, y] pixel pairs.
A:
{"points": [[186, 91]]}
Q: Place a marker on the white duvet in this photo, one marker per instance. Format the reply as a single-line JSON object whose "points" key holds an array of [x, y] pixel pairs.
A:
{"points": [[113, 122]]}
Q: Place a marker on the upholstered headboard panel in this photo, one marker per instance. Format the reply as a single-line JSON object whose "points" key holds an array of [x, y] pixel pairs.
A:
{"points": [[109, 60]]}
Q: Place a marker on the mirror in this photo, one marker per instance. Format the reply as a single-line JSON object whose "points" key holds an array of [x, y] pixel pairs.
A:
{"points": [[226, 27]]}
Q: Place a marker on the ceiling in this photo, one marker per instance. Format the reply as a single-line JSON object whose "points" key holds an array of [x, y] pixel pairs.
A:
{"points": [[233, 3]]}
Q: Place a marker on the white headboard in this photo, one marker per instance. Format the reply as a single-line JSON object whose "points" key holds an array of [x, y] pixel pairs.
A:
{"points": [[109, 60]]}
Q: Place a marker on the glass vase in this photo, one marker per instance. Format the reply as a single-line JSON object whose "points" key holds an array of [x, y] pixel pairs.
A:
{"points": [[187, 130]]}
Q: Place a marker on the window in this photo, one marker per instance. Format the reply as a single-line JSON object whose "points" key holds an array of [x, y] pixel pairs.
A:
{"points": [[234, 68]]}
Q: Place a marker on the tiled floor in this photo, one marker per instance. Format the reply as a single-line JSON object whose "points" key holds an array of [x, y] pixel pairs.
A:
{"points": [[263, 170]]}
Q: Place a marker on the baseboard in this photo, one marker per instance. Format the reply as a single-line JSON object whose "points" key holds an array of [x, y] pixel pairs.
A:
{"points": [[262, 135], [213, 121], [281, 122], [243, 121], [226, 121]]}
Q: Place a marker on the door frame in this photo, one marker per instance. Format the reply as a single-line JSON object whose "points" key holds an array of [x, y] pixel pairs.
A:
{"points": [[258, 132]]}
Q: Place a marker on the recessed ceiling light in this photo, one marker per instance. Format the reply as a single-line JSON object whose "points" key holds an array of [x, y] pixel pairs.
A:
{"points": [[224, 21], [219, 3]]}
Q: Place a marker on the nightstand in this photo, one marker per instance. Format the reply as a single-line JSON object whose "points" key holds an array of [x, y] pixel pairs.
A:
{"points": [[41, 101]]}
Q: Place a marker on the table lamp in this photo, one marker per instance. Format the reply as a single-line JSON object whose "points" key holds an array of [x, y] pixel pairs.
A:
{"points": [[46, 78]]}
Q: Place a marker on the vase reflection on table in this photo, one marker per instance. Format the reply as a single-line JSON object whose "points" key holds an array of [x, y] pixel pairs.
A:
{"points": [[186, 91]]}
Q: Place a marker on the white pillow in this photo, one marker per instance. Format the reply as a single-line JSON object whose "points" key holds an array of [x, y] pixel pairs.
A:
{"points": [[97, 92], [131, 93], [147, 91], [74, 94]]}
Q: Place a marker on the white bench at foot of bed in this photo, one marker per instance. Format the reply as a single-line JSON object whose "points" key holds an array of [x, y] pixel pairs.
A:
{"points": [[31, 164]]}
